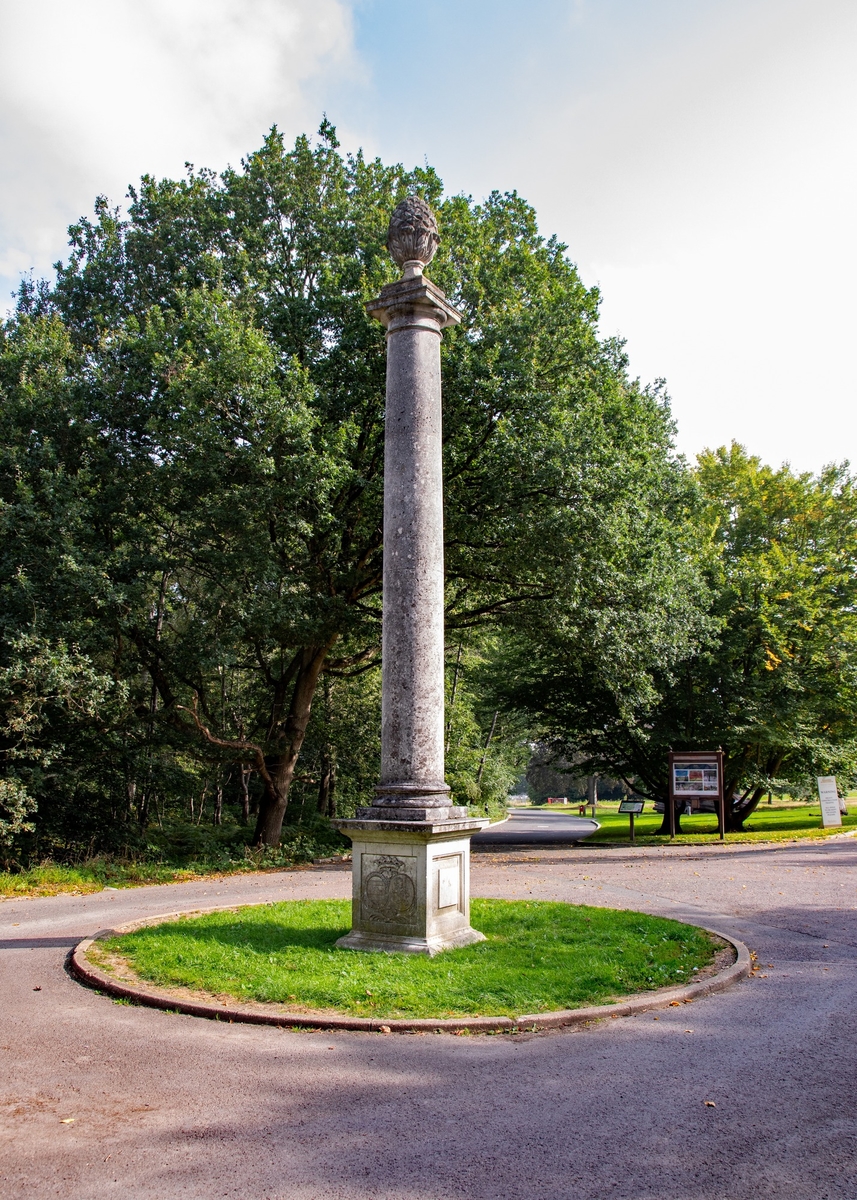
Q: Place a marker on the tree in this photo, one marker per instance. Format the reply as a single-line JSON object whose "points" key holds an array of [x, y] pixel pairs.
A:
{"points": [[486, 751], [769, 674], [193, 491], [781, 683]]}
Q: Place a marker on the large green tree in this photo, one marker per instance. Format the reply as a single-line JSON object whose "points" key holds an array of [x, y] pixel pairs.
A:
{"points": [[770, 676], [193, 429]]}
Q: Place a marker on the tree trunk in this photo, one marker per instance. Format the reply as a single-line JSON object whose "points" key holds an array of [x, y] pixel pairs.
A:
{"points": [[281, 767], [143, 811], [327, 784], [485, 751], [735, 817], [452, 695], [218, 803], [592, 793], [665, 823], [246, 772]]}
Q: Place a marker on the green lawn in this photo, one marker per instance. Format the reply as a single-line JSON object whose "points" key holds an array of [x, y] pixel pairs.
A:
{"points": [[51, 879], [180, 853], [538, 957], [767, 824]]}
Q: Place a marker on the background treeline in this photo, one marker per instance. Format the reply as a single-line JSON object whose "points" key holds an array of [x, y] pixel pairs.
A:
{"points": [[190, 529]]}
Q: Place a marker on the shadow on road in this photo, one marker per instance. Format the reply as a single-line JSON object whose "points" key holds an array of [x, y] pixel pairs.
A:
{"points": [[36, 943]]}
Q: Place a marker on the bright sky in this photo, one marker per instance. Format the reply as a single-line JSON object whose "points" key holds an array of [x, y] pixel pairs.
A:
{"points": [[698, 157]]}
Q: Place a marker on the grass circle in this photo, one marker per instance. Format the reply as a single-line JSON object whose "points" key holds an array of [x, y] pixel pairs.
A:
{"points": [[537, 957]]}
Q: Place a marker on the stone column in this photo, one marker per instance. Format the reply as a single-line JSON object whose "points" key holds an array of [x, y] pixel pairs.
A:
{"points": [[411, 847]]}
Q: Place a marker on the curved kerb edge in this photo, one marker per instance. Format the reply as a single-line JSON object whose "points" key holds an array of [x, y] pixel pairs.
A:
{"points": [[94, 977]]}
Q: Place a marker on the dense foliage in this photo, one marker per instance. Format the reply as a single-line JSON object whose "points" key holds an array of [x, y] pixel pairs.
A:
{"points": [[191, 422], [772, 675]]}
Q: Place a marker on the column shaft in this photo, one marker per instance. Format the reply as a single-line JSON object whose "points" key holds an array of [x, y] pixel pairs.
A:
{"points": [[413, 635]]}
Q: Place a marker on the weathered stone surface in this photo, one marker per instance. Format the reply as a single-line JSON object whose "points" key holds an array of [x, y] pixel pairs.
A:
{"points": [[401, 909], [410, 887], [412, 766], [410, 812], [412, 236]]}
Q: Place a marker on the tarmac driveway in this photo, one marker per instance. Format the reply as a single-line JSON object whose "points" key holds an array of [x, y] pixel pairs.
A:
{"points": [[525, 826], [102, 1099]]}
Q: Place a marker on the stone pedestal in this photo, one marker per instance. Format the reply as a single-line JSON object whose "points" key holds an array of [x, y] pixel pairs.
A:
{"points": [[410, 886], [410, 843]]}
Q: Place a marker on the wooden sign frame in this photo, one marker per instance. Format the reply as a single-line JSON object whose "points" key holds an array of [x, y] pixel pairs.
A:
{"points": [[691, 758], [632, 806]]}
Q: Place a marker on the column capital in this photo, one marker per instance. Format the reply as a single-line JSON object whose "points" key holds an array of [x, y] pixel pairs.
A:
{"points": [[413, 300]]}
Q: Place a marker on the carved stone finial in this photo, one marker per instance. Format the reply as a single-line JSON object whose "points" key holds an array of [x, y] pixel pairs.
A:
{"points": [[413, 236]]}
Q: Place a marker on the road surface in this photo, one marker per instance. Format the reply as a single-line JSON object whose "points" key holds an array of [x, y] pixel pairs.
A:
{"points": [[526, 826], [109, 1100]]}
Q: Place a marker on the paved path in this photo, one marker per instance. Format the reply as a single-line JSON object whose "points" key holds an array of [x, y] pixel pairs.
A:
{"points": [[539, 828], [170, 1106]]}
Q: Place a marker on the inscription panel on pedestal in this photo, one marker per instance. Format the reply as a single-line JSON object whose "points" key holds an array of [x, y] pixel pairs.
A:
{"points": [[388, 892], [448, 891], [447, 887]]}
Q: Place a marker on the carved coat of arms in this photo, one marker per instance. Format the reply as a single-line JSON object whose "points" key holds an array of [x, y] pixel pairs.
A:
{"points": [[388, 892]]}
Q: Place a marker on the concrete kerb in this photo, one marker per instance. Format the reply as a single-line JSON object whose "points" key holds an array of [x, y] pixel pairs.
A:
{"points": [[165, 1000]]}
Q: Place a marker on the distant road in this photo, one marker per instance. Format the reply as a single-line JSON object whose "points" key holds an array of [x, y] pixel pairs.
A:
{"points": [[528, 827]]}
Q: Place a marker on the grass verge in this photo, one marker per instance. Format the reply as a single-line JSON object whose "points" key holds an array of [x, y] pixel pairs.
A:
{"points": [[181, 854], [768, 824], [50, 879], [538, 957]]}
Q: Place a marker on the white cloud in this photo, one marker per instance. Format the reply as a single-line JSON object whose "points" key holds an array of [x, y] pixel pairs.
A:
{"points": [[697, 158], [699, 161], [721, 223], [93, 93]]}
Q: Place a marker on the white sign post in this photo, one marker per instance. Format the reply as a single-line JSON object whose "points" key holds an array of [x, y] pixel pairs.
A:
{"points": [[829, 797]]}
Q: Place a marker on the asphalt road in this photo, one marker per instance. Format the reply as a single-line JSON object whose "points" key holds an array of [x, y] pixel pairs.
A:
{"points": [[540, 828], [102, 1099]]}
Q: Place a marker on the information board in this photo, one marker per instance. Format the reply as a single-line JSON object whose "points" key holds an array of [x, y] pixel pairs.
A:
{"points": [[696, 778], [631, 806], [696, 775], [829, 797]]}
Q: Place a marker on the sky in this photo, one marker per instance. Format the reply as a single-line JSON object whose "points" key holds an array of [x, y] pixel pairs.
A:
{"points": [[697, 157]]}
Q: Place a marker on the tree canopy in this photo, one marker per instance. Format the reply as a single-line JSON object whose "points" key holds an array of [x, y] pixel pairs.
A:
{"points": [[191, 478], [770, 675]]}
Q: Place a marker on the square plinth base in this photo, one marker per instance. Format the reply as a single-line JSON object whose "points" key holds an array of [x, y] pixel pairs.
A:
{"points": [[410, 885]]}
